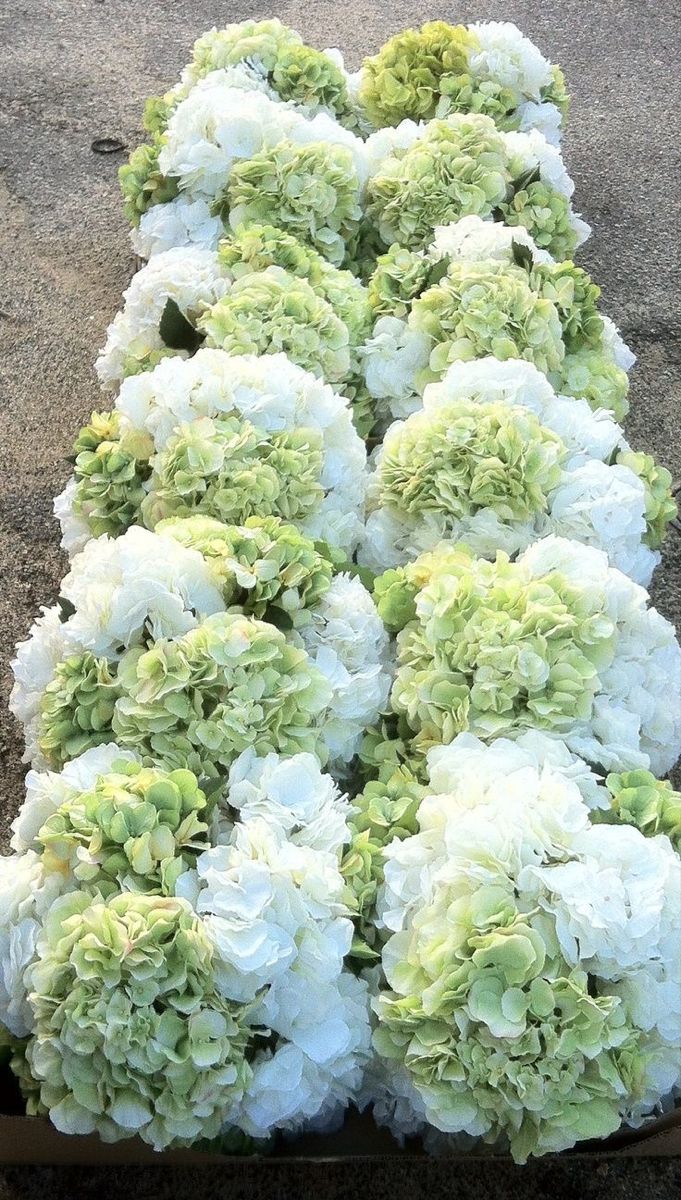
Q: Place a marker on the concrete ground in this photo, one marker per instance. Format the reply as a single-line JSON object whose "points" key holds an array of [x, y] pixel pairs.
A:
{"points": [[75, 70]]}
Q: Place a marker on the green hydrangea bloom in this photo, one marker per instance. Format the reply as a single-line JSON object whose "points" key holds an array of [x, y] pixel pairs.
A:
{"points": [[254, 248], [311, 190], [132, 1035], [576, 297], [111, 470], [488, 1019], [272, 312], [137, 829], [386, 810], [157, 112], [266, 568], [651, 805], [307, 76], [452, 171], [661, 508], [77, 708], [231, 684], [400, 276], [421, 74], [489, 650], [142, 182], [385, 751], [592, 375], [228, 469], [462, 456], [481, 309], [545, 213]]}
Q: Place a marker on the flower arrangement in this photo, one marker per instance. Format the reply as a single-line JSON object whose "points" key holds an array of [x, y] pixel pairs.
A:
{"points": [[348, 730]]}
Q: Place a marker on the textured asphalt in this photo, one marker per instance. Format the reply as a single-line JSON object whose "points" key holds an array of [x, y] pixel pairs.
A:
{"points": [[75, 70]]}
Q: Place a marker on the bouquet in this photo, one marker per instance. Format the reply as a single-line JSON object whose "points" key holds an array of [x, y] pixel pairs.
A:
{"points": [[347, 731]]}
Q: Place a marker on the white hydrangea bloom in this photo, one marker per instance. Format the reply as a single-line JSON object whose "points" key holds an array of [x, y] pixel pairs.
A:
{"points": [[347, 641], [75, 532], [36, 659], [393, 357], [46, 791], [291, 793], [275, 913], [636, 718], [622, 355], [506, 830], [179, 222], [190, 276], [508, 58], [472, 239], [274, 394], [140, 582], [25, 897], [546, 117], [218, 125], [390, 140], [593, 502]]}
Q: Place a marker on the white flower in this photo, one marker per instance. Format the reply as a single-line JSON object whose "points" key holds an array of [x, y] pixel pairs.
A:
{"points": [[218, 125], [636, 719], [179, 222], [547, 118], [273, 394], [346, 639], [25, 897], [190, 276], [390, 140], [509, 59], [591, 501], [291, 793], [140, 583], [612, 339], [275, 913], [472, 239], [75, 532], [393, 357]]}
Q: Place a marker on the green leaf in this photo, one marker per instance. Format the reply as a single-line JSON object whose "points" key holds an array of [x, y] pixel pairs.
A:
{"points": [[522, 255], [176, 331], [437, 272], [532, 175], [66, 609], [360, 949]]}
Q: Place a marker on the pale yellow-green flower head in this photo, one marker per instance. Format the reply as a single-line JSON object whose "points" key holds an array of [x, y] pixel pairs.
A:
{"points": [[110, 471], [77, 707], [651, 805], [131, 1035]]}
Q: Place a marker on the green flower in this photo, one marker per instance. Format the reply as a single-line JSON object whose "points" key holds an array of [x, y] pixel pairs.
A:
{"points": [[311, 191], [592, 375], [266, 568], [661, 508], [386, 811], [142, 182], [77, 708], [307, 76], [490, 650], [228, 469], [452, 171], [495, 1029], [261, 42], [157, 113], [400, 276], [131, 1034], [111, 470], [421, 74], [639, 799], [138, 829], [481, 309], [461, 457], [229, 685], [273, 312], [545, 213], [576, 298]]}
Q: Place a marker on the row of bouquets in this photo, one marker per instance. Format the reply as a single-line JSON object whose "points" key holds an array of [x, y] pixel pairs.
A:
{"points": [[348, 730]]}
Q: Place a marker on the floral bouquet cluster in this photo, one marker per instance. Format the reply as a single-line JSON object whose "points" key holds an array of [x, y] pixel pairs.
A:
{"points": [[347, 732]]}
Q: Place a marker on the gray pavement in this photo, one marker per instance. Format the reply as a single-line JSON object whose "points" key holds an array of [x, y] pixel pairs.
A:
{"points": [[74, 70]]}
